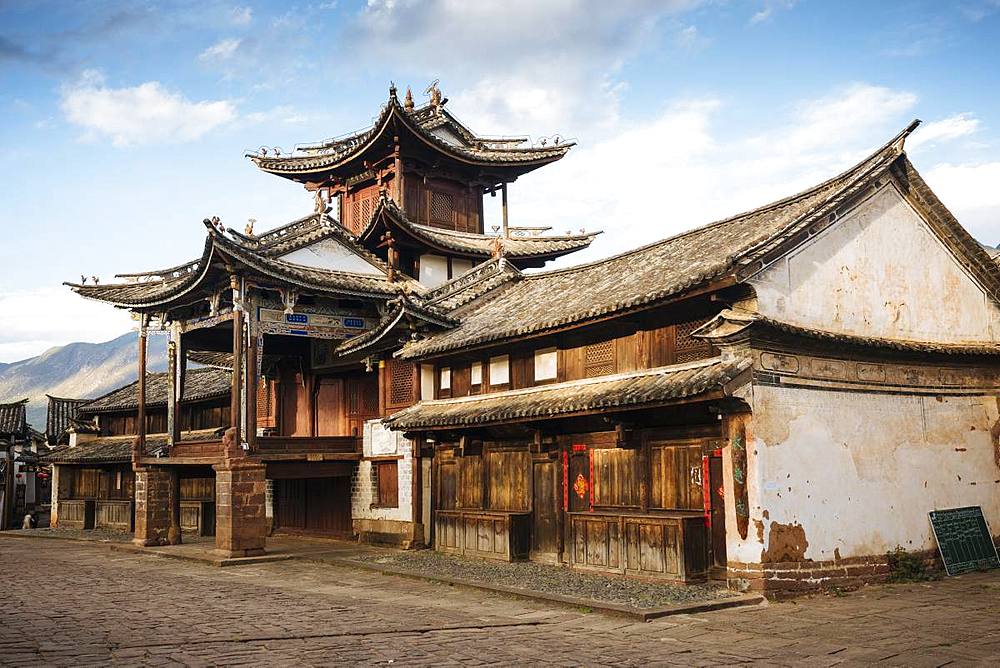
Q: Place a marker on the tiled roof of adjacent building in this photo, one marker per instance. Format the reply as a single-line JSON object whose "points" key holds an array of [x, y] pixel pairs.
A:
{"points": [[199, 385], [729, 249], [13, 421], [116, 449], [626, 391], [61, 411]]}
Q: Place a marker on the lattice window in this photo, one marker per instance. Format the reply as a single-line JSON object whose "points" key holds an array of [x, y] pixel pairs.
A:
{"points": [[367, 204], [599, 359], [442, 205], [400, 383], [689, 348]]}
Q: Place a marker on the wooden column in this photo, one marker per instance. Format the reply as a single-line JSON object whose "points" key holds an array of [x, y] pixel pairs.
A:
{"points": [[140, 442], [503, 197], [173, 430], [237, 382], [397, 166], [174, 532], [253, 381]]}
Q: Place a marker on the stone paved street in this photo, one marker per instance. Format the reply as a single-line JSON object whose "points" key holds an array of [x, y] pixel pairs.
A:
{"points": [[68, 603]]}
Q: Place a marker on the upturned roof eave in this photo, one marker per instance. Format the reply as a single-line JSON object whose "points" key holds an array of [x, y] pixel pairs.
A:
{"points": [[394, 113]]}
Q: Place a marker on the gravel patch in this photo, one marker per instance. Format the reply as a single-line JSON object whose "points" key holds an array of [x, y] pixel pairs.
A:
{"points": [[96, 535], [551, 579]]}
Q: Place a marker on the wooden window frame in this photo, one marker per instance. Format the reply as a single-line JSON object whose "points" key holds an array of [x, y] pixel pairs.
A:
{"points": [[439, 377], [474, 387]]}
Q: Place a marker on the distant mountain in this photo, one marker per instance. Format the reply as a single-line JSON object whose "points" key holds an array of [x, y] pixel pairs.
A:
{"points": [[77, 370]]}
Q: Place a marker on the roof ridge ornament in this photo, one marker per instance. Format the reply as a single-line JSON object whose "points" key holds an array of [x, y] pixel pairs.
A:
{"points": [[408, 101], [437, 99]]}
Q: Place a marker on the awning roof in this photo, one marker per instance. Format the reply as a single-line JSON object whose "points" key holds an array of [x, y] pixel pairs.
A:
{"points": [[626, 391]]}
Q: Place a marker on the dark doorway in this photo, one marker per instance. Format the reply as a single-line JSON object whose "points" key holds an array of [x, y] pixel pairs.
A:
{"points": [[313, 505]]}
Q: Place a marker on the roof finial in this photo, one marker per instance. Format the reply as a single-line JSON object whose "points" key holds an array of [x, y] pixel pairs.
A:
{"points": [[392, 89], [249, 228], [437, 100], [408, 102]]}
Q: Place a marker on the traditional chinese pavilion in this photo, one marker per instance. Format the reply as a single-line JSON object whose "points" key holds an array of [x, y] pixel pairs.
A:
{"points": [[307, 315]]}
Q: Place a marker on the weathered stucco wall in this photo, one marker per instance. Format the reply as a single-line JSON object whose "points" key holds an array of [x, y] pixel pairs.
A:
{"points": [[838, 474], [879, 271]]}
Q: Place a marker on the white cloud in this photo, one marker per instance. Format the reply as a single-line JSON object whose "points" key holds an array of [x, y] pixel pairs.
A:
{"points": [[521, 56], [143, 114], [32, 321], [767, 11], [946, 129], [971, 192], [241, 16], [221, 50], [687, 175]]}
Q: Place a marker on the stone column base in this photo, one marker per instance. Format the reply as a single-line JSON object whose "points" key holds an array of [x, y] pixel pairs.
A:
{"points": [[152, 507], [240, 517]]}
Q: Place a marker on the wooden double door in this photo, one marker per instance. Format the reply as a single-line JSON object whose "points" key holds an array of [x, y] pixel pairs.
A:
{"points": [[313, 505]]}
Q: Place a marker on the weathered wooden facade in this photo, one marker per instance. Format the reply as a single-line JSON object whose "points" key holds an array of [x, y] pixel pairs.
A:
{"points": [[778, 398], [93, 484], [306, 316]]}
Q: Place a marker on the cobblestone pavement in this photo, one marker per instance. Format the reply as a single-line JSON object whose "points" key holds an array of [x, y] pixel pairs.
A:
{"points": [[70, 603]]}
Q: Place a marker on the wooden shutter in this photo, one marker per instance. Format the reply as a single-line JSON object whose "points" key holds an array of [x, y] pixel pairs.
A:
{"points": [[686, 347], [387, 476]]}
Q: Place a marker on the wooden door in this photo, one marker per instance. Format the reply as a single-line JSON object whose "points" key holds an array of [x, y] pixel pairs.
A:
{"points": [[296, 416], [361, 401], [545, 522], [717, 511], [330, 417], [328, 505], [578, 480]]}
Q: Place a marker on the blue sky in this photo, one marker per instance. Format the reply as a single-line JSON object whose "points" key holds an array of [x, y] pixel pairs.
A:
{"points": [[125, 124]]}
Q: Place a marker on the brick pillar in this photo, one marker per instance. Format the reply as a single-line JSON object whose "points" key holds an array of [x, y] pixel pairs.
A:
{"points": [[240, 517], [152, 506]]}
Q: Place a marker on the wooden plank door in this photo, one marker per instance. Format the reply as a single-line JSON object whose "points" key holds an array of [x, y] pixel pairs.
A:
{"points": [[545, 522], [328, 505], [296, 418], [717, 511], [330, 417]]}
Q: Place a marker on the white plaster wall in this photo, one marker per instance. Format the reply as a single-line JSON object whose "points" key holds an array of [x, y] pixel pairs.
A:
{"points": [[328, 254], [860, 471], [379, 440], [879, 271]]}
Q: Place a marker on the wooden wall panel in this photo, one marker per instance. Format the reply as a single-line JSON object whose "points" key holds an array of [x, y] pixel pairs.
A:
{"points": [[672, 485], [616, 482], [508, 472], [330, 415], [470, 482]]}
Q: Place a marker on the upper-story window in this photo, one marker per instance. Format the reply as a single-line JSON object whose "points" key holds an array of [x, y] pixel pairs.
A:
{"points": [[426, 381], [444, 381], [546, 364], [476, 374], [500, 370]]}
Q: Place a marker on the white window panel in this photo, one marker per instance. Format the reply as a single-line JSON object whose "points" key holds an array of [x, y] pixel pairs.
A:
{"points": [[477, 373], [445, 378], [426, 381], [433, 270], [546, 364], [500, 370]]}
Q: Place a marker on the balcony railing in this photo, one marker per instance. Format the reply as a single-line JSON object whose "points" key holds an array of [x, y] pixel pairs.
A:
{"points": [[284, 446]]}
